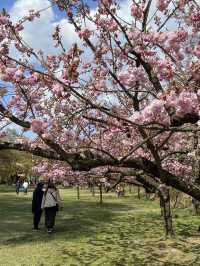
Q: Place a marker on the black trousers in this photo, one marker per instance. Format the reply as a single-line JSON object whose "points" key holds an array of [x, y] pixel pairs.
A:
{"points": [[50, 215], [36, 218]]}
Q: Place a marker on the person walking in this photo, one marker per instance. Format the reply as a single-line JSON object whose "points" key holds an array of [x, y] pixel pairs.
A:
{"points": [[36, 205], [120, 191], [17, 185], [25, 186], [50, 203]]}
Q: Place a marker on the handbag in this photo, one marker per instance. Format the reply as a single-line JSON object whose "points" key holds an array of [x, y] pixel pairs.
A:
{"points": [[57, 205]]}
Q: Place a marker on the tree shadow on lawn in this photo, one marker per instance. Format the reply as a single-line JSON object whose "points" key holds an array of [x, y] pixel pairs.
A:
{"points": [[78, 219], [85, 219], [187, 230]]}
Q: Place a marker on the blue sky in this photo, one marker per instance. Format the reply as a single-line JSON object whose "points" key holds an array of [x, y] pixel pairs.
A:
{"points": [[6, 4]]}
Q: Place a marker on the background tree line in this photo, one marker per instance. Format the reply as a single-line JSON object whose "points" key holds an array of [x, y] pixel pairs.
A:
{"points": [[13, 163]]}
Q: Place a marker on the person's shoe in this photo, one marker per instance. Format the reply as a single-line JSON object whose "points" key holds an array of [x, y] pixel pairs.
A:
{"points": [[49, 231]]}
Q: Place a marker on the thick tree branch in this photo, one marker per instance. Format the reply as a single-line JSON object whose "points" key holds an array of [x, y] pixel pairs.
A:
{"points": [[13, 118], [79, 163], [187, 118]]}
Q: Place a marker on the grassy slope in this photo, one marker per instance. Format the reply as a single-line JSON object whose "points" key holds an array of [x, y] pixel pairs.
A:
{"points": [[122, 232]]}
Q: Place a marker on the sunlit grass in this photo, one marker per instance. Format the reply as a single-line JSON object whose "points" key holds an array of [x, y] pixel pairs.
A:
{"points": [[125, 231]]}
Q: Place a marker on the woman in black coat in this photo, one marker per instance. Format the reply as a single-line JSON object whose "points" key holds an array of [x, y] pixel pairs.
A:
{"points": [[36, 205]]}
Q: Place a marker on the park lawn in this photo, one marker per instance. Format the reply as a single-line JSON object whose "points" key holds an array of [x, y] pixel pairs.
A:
{"points": [[121, 232]]}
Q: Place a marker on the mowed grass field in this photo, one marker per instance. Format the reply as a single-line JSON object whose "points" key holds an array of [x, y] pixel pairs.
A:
{"points": [[121, 232]]}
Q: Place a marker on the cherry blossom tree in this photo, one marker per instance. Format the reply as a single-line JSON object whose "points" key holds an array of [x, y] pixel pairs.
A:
{"points": [[125, 96]]}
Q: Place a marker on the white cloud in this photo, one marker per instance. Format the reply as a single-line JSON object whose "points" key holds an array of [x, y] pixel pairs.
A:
{"points": [[21, 8], [125, 11], [69, 36], [38, 34]]}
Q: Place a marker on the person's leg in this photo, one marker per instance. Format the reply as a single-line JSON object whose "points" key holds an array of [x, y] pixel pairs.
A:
{"points": [[51, 214], [54, 211], [37, 217], [47, 217], [35, 220]]}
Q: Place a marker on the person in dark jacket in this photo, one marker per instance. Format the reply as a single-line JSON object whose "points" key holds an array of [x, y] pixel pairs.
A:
{"points": [[36, 205], [17, 185]]}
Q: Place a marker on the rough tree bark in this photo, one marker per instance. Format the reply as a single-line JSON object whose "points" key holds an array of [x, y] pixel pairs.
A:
{"points": [[196, 170], [100, 194], [163, 191], [78, 192], [138, 192], [93, 187], [166, 210]]}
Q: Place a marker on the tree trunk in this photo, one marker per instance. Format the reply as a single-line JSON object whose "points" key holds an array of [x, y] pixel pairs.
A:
{"points": [[166, 212], [138, 192], [177, 194], [196, 205], [147, 195], [196, 170], [93, 187], [78, 192], [93, 190], [100, 194]]}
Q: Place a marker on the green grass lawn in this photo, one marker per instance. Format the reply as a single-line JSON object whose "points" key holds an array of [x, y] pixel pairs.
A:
{"points": [[125, 231]]}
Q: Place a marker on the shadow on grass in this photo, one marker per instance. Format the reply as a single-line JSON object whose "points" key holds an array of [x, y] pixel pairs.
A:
{"points": [[119, 224], [78, 219], [187, 230]]}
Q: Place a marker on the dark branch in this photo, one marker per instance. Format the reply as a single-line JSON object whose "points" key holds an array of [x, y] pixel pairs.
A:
{"points": [[77, 162], [188, 118]]}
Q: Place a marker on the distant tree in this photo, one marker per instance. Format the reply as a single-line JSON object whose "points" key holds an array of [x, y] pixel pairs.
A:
{"points": [[14, 162]]}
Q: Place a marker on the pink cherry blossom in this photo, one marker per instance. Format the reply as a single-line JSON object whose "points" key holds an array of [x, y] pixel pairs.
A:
{"points": [[136, 11], [38, 125], [85, 33], [195, 18], [57, 89], [162, 4], [197, 51], [3, 19]]}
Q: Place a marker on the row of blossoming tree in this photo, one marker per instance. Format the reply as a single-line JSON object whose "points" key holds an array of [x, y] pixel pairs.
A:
{"points": [[125, 98]]}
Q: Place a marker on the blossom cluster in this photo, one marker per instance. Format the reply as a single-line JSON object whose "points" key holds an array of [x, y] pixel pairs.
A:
{"points": [[186, 102], [195, 18]]}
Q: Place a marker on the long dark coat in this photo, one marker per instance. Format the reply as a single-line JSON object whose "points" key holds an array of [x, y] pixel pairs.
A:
{"points": [[37, 198]]}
